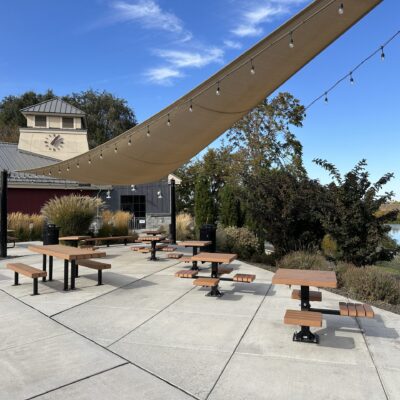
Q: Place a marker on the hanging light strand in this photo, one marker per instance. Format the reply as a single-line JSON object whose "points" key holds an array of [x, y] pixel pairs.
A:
{"points": [[349, 76]]}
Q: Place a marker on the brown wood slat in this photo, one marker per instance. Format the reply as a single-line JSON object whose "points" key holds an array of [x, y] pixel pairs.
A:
{"points": [[209, 282], [93, 264], [27, 270], [303, 318], [369, 312], [352, 310], [185, 259], [186, 273], [314, 295], [137, 248], [360, 310], [174, 255], [301, 277], [224, 270], [224, 258], [144, 250], [66, 252], [168, 248], [109, 238], [246, 278], [344, 311], [195, 243]]}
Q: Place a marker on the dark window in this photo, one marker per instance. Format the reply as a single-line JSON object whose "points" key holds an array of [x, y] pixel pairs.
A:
{"points": [[67, 122], [40, 120], [134, 204]]}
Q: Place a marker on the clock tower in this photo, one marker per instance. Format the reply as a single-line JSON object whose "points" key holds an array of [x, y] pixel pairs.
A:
{"points": [[54, 129]]}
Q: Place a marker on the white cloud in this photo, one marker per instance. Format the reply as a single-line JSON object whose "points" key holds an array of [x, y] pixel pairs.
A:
{"points": [[187, 59], [149, 14], [163, 75], [231, 44]]}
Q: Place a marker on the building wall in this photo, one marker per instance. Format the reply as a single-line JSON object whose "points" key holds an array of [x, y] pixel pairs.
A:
{"points": [[30, 201]]}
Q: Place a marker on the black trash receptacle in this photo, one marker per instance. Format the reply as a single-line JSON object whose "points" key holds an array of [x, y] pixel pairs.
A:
{"points": [[50, 234], [209, 232]]}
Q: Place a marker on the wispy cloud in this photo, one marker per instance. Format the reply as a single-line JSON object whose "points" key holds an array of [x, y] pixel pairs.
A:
{"points": [[163, 75], [187, 59], [255, 15], [232, 44]]}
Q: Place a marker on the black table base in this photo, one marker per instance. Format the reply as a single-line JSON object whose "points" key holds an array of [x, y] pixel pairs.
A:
{"points": [[306, 336]]}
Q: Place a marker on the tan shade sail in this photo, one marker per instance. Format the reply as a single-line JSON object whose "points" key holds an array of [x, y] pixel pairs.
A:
{"points": [[154, 148]]}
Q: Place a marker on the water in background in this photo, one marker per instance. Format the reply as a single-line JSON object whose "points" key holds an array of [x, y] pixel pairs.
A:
{"points": [[395, 232]]}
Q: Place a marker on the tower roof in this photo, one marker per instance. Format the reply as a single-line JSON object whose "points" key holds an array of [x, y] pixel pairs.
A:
{"points": [[53, 106]]}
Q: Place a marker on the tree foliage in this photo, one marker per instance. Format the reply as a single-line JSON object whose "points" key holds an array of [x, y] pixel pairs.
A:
{"points": [[230, 212], [350, 214], [204, 210]]}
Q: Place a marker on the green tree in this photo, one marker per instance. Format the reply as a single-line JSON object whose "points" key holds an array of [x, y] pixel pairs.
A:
{"points": [[350, 214], [11, 118], [204, 206], [107, 116], [230, 212]]}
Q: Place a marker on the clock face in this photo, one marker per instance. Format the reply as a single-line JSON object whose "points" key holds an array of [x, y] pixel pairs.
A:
{"points": [[54, 142]]}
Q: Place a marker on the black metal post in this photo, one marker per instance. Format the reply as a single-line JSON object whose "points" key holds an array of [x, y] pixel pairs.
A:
{"points": [[16, 275], [99, 277], [50, 268], [44, 266], [73, 274], [65, 275], [3, 214], [153, 250], [173, 212], [214, 270], [194, 263], [35, 287]]}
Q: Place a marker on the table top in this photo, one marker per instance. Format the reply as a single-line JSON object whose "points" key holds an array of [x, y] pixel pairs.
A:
{"points": [[194, 243], [301, 277], [225, 258], [152, 232], [67, 238], [66, 252], [151, 238]]}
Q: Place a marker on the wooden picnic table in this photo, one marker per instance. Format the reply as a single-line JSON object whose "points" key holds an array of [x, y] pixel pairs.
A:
{"points": [[74, 239], [153, 239], [153, 232], [305, 279], [66, 253], [196, 244], [215, 259]]}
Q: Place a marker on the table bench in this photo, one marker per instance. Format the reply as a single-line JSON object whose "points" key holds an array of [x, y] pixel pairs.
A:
{"points": [[314, 295], [109, 239], [99, 266], [356, 310], [209, 282], [305, 319], [185, 273], [13, 240], [30, 272], [174, 256]]}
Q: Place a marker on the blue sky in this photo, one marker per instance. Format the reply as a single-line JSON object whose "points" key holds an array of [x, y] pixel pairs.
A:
{"points": [[151, 52]]}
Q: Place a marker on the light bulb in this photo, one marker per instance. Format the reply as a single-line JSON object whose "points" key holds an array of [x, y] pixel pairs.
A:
{"points": [[115, 149], [77, 165], [218, 91], [68, 168], [326, 98], [101, 155], [148, 131], [191, 106], [351, 79], [130, 142], [169, 121], [89, 161], [382, 54], [341, 9], [50, 172], [252, 69], [291, 43]]}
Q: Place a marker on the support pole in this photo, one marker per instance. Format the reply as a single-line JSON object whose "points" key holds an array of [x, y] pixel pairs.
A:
{"points": [[3, 214], [173, 212]]}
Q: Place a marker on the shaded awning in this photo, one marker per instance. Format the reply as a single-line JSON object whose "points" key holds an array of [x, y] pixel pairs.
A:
{"points": [[159, 145]]}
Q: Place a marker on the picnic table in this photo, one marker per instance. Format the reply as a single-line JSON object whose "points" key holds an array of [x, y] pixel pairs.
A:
{"points": [[215, 259], [74, 239], [153, 239], [153, 232], [196, 244], [68, 254]]}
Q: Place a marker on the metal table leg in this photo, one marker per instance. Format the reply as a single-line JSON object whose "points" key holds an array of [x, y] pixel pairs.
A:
{"points": [[214, 270], [50, 268], [65, 275], [194, 263], [73, 274], [153, 251], [44, 266]]}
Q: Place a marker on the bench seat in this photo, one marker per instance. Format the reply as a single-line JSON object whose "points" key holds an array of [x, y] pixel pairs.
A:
{"points": [[137, 248], [108, 239], [209, 282], [224, 270], [356, 310], [168, 248], [303, 318], [186, 273], [314, 295], [246, 278], [175, 255], [99, 266], [30, 272], [185, 259], [144, 250]]}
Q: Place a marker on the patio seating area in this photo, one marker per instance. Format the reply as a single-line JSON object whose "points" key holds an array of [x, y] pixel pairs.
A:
{"points": [[146, 334]]}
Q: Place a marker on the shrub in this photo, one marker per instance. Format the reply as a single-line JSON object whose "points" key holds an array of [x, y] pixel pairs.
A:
{"points": [[304, 260], [73, 213], [329, 247], [26, 227], [241, 241], [114, 223], [184, 226], [371, 284]]}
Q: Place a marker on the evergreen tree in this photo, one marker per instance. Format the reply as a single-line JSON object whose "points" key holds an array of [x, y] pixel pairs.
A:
{"points": [[204, 207], [230, 213]]}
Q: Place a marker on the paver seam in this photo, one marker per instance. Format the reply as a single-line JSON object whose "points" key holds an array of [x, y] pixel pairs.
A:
{"points": [[104, 348], [76, 381], [238, 343], [153, 316], [372, 359]]}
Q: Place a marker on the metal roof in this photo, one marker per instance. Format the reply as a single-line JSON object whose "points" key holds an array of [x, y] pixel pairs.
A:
{"points": [[53, 106], [12, 159]]}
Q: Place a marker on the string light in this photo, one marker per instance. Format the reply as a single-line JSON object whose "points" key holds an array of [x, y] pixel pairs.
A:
{"points": [[341, 9], [291, 43], [50, 172], [191, 106], [218, 91], [115, 149], [252, 69], [77, 164], [148, 131], [379, 50], [89, 161], [169, 121], [130, 141], [68, 168], [101, 155]]}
